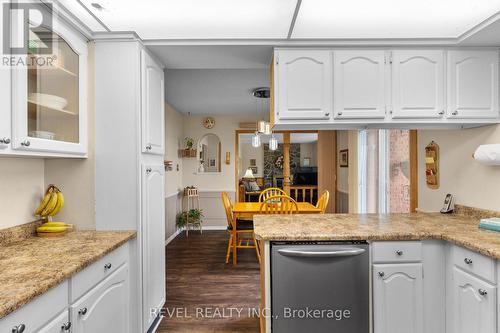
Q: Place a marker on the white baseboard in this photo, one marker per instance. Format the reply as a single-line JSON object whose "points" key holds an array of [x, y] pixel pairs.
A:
{"points": [[171, 238], [205, 227]]}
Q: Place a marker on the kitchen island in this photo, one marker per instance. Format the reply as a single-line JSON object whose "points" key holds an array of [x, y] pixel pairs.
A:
{"points": [[457, 292]]}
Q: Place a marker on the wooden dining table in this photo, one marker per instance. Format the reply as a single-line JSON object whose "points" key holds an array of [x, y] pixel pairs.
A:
{"points": [[246, 210]]}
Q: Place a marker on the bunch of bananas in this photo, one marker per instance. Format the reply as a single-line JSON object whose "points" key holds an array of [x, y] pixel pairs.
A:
{"points": [[51, 203]]}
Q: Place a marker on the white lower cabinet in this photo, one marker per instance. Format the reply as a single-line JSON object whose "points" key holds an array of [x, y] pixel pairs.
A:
{"points": [[474, 304], [104, 308], [398, 298], [58, 325]]}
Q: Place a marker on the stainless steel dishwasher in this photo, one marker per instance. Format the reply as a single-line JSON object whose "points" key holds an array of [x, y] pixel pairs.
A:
{"points": [[320, 287]]}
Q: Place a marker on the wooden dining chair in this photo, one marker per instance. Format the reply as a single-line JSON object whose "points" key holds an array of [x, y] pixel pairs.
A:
{"points": [[237, 229], [270, 192], [279, 204], [323, 201]]}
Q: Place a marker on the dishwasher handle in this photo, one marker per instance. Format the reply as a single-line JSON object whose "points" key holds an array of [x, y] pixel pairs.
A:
{"points": [[305, 253]]}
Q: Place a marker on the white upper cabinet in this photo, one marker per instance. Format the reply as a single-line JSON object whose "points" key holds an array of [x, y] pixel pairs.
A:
{"points": [[359, 84], [153, 110], [303, 85], [398, 298], [49, 98], [418, 84], [473, 84], [474, 304]]}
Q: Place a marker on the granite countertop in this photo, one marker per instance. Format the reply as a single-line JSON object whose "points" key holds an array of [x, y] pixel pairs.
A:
{"points": [[31, 266], [457, 229]]}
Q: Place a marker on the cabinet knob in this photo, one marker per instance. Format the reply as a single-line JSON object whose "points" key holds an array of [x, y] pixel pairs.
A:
{"points": [[454, 113], [441, 113], [339, 113], [19, 328], [381, 274], [482, 292], [327, 114], [148, 147], [26, 143], [148, 170], [468, 261], [399, 252], [107, 266], [66, 326], [5, 140], [82, 312]]}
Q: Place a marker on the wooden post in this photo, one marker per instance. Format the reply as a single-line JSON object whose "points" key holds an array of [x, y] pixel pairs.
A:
{"points": [[413, 171], [286, 162], [327, 167]]}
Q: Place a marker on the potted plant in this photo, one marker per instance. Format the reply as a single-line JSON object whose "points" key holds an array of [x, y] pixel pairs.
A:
{"points": [[194, 216], [189, 143]]}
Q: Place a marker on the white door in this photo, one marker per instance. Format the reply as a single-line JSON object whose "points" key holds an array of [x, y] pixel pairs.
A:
{"points": [[153, 246], [418, 84], [59, 324], [473, 84], [105, 308], [359, 84], [398, 298], [303, 85], [474, 304], [153, 106]]}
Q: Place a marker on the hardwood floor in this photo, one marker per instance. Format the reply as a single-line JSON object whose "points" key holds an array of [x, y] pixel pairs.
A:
{"points": [[200, 284]]}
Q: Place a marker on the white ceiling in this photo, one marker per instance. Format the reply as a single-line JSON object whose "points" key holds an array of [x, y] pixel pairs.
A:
{"points": [[273, 19], [216, 91], [390, 18], [210, 56]]}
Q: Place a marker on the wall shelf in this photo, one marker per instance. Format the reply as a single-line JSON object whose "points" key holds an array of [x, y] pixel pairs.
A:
{"points": [[187, 153]]}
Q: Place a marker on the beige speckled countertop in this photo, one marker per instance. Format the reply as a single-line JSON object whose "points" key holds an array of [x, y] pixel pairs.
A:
{"points": [[32, 266], [457, 229]]}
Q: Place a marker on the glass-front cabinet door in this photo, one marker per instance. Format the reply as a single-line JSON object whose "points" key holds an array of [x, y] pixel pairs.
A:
{"points": [[49, 92]]}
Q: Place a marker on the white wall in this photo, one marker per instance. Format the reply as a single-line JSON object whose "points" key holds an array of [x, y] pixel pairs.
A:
{"points": [[225, 127], [21, 188], [472, 183], [309, 150], [248, 152], [174, 140]]}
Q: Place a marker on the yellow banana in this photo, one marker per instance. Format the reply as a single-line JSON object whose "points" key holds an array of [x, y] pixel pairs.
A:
{"points": [[50, 205], [54, 224], [59, 204], [44, 201], [51, 229]]}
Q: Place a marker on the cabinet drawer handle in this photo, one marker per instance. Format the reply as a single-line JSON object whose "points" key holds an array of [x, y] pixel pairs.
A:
{"points": [[107, 266], [482, 292], [82, 312], [19, 328], [66, 326], [148, 170], [454, 113], [441, 113], [381, 274], [399, 252], [26, 143], [148, 147], [327, 114], [339, 113], [5, 141], [468, 261]]}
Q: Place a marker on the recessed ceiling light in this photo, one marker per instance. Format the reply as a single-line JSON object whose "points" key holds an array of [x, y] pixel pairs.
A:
{"points": [[97, 6]]}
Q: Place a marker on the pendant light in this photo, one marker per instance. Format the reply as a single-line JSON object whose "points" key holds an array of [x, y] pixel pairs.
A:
{"points": [[267, 129], [256, 140], [273, 143], [261, 126]]}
